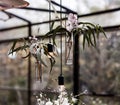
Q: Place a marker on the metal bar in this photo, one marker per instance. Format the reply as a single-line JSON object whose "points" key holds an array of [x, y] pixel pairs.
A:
{"points": [[29, 80], [29, 58], [109, 28], [61, 6], [71, 11], [76, 65], [43, 10], [55, 20], [17, 16], [100, 12], [32, 24], [29, 69]]}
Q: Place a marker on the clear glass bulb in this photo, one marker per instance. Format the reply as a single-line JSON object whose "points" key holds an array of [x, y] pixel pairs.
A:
{"points": [[61, 88]]}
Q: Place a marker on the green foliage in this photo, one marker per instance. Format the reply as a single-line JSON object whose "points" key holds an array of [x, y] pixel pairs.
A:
{"points": [[89, 31]]}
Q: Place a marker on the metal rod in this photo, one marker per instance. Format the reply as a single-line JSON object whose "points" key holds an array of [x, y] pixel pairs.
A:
{"points": [[29, 80], [100, 12], [21, 18], [76, 66], [57, 20], [107, 29], [29, 68], [42, 10]]}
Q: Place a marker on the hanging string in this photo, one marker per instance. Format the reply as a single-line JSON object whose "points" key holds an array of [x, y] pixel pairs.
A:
{"points": [[61, 37], [50, 18]]}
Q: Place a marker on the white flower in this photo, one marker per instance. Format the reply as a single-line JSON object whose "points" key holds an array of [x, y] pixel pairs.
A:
{"points": [[33, 39], [72, 18], [85, 91], [74, 100], [34, 48], [12, 55], [56, 102], [69, 26], [62, 99], [65, 101], [41, 95], [49, 103], [40, 102], [64, 93]]}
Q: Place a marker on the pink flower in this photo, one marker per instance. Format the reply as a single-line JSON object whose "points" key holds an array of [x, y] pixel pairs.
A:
{"points": [[72, 18], [72, 22]]}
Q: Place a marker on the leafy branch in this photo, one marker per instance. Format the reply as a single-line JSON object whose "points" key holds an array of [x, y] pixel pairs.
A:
{"points": [[89, 31]]}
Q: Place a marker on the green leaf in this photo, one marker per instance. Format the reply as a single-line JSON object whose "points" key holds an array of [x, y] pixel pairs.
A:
{"points": [[93, 34], [101, 29], [51, 26], [45, 50], [84, 40], [56, 30], [48, 34], [40, 59], [76, 32], [26, 56], [19, 48], [97, 31], [89, 36], [13, 46], [52, 62], [52, 59]]}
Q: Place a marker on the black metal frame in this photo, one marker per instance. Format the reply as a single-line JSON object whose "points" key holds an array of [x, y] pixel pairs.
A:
{"points": [[76, 54]]}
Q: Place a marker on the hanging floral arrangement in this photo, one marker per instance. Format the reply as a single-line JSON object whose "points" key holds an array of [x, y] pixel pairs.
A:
{"points": [[37, 48]]}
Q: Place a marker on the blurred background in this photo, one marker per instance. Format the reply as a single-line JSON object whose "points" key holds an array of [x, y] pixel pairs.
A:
{"points": [[99, 68]]}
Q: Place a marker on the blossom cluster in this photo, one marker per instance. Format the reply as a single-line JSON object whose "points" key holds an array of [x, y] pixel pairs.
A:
{"points": [[72, 22], [62, 99], [35, 46]]}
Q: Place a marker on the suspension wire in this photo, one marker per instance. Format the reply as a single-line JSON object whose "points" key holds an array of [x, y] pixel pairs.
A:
{"points": [[61, 38], [50, 18]]}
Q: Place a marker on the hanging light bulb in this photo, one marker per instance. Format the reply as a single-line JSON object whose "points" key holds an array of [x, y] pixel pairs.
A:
{"points": [[50, 48], [61, 78], [61, 83]]}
